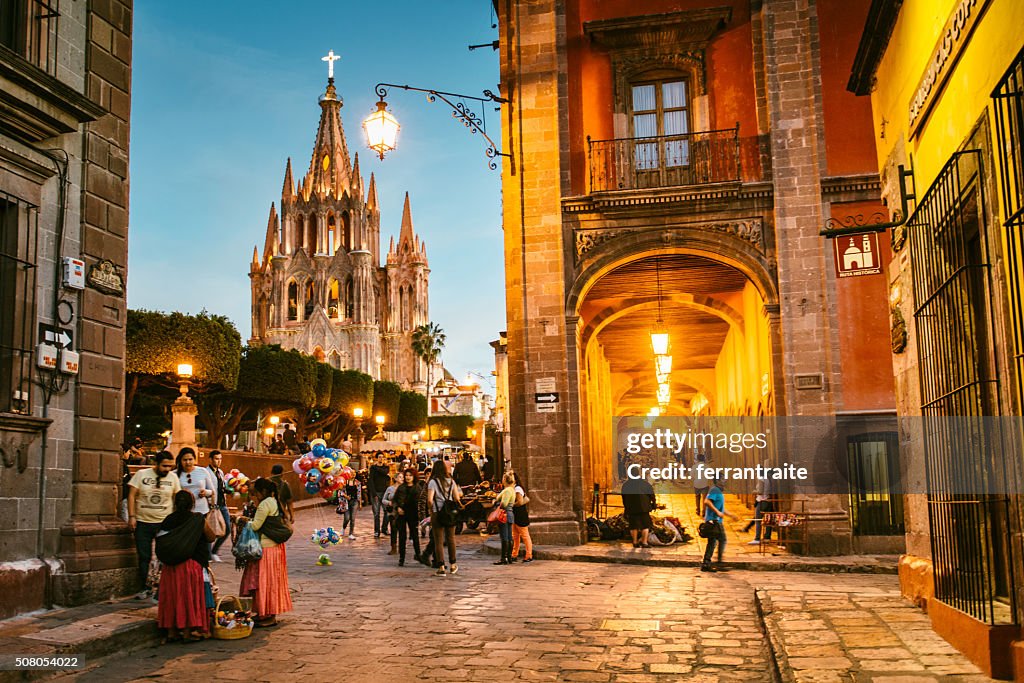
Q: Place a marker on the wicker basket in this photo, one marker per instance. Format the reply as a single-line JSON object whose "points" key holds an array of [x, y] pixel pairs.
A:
{"points": [[221, 633]]}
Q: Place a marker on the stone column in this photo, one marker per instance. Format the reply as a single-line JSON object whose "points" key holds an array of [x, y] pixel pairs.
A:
{"points": [[544, 445], [793, 78], [96, 546], [183, 422]]}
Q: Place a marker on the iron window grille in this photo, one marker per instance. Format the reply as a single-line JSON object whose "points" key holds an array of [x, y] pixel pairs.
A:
{"points": [[19, 244], [953, 294], [1008, 106], [29, 28]]}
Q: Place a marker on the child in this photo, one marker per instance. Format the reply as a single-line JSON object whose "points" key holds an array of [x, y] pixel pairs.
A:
{"points": [[354, 493]]}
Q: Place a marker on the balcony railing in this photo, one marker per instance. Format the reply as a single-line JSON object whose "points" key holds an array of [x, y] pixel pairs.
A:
{"points": [[699, 158]]}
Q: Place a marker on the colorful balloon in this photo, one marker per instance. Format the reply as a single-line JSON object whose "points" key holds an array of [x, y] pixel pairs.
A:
{"points": [[296, 466], [306, 463], [325, 464], [319, 450], [312, 487]]}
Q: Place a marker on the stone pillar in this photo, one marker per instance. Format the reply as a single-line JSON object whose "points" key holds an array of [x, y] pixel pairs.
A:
{"points": [[544, 446], [183, 422], [96, 545], [793, 78]]}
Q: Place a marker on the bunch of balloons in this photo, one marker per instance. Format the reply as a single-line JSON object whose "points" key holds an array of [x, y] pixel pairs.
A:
{"points": [[325, 537], [323, 470], [236, 483]]}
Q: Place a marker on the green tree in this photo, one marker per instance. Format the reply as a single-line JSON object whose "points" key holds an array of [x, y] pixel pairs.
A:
{"points": [[427, 342], [412, 411], [157, 342], [458, 426], [386, 401]]}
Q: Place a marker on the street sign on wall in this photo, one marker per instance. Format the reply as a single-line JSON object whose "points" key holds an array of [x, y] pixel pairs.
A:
{"points": [[857, 255]]}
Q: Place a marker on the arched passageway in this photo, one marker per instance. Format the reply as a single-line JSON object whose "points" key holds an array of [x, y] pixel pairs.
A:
{"points": [[720, 343]]}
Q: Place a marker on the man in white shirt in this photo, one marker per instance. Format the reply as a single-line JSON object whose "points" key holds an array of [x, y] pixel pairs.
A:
{"points": [[150, 499]]}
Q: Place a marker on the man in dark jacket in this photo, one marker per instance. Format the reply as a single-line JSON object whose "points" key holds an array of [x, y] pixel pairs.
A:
{"points": [[380, 480], [638, 500], [466, 472]]}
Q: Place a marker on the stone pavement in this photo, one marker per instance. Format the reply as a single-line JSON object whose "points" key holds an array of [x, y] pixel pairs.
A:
{"points": [[366, 619]]}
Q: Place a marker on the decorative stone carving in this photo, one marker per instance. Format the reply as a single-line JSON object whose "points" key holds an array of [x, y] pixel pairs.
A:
{"points": [[747, 229], [899, 330]]}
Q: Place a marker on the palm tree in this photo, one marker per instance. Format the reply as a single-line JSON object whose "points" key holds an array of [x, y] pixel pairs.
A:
{"points": [[427, 342]]}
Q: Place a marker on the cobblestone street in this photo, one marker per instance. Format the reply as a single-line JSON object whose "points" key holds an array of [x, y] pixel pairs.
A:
{"points": [[366, 619]]}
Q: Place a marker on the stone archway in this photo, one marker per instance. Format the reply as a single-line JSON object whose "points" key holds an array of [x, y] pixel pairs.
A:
{"points": [[719, 312]]}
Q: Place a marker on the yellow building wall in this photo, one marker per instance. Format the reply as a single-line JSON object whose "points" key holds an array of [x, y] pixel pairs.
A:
{"points": [[995, 42]]}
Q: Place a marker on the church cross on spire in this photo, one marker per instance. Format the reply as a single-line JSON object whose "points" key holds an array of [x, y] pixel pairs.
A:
{"points": [[331, 58]]}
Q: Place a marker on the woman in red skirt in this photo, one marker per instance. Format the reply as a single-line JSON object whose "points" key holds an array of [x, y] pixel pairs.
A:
{"points": [[183, 547], [267, 578]]}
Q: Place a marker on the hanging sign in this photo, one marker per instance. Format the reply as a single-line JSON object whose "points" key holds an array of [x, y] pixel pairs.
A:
{"points": [[857, 255]]}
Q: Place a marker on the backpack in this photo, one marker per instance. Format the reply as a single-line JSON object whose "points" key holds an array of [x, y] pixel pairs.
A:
{"points": [[448, 515]]}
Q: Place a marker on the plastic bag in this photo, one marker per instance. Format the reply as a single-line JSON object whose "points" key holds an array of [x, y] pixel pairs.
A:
{"points": [[247, 548]]}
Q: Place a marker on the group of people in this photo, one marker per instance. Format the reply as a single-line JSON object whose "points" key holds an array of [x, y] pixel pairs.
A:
{"points": [[181, 508], [408, 503]]}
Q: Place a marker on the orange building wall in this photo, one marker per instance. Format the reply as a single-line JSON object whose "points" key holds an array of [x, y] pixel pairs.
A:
{"points": [[730, 78], [864, 331], [849, 134]]}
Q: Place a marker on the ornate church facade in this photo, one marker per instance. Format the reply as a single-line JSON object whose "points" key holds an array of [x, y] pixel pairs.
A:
{"points": [[318, 286]]}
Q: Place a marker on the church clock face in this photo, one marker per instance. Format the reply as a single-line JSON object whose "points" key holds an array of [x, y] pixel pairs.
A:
{"points": [[327, 162]]}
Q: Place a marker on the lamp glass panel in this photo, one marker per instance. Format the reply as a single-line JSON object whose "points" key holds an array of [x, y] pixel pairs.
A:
{"points": [[659, 342]]}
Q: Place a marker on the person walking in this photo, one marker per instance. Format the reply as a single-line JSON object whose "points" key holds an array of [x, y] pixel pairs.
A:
{"points": [[183, 546], [377, 485], [219, 501], [442, 492], [406, 503], [714, 511], [267, 578], [506, 500], [521, 523], [354, 493], [764, 494], [700, 483], [387, 504], [196, 480], [150, 499], [284, 492]]}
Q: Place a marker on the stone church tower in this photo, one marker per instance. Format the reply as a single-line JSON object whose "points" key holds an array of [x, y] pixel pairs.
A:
{"points": [[318, 285]]}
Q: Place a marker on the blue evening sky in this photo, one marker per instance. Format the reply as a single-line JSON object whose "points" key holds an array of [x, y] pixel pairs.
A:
{"points": [[224, 93]]}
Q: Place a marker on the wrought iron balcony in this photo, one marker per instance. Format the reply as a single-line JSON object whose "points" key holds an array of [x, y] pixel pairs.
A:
{"points": [[701, 158]]}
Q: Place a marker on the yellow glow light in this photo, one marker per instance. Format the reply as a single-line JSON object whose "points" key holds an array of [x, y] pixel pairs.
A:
{"points": [[184, 370], [381, 129]]}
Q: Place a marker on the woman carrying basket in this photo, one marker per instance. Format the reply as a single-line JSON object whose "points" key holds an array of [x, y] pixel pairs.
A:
{"points": [[267, 578]]}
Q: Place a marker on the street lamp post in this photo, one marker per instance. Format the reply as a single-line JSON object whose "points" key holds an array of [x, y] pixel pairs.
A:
{"points": [[382, 127], [357, 437], [379, 419], [183, 411]]}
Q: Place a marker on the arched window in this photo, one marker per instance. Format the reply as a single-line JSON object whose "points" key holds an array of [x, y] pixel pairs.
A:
{"points": [[310, 299], [350, 299], [300, 231], [293, 300], [410, 306], [403, 308], [333, 303], [311, 233], [334, 359], [346, 231]]}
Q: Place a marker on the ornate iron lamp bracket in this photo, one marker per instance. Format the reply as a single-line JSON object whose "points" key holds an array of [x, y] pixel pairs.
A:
{"points": [[859, 223], [461, 112]]}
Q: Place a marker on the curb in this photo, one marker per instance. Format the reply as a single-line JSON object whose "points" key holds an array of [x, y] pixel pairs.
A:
{"points": [[135, 632], [493, 547]]}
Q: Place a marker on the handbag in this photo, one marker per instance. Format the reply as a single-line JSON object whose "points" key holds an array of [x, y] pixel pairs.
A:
{"points": [[497, 515], [215, 520], [706, 529], [276, 528]]}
